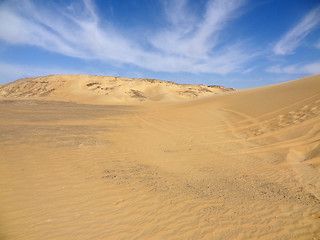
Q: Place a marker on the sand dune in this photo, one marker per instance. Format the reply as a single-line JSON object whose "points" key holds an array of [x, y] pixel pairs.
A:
{"points": [[178, 165], [102, 90]]}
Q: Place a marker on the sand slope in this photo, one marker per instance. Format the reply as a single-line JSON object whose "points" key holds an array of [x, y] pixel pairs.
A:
{"points": [[237, 165]]}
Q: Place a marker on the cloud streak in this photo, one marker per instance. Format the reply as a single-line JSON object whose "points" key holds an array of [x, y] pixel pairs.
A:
{"points": [[294, 37], [309, 68], [77, 31], [191, 38]]}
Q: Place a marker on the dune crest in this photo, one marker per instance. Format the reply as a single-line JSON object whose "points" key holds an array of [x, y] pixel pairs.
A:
{"points": [[100, 89]]}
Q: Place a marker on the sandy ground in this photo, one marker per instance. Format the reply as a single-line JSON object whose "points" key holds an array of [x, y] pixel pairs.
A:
{"points": [[238, 165]]}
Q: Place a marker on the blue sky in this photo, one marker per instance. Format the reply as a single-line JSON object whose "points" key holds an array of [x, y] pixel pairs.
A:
{"points": [[234, 43]]}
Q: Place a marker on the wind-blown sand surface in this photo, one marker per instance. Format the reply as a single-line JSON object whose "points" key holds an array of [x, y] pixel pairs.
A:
{"points": [[156, 164]]}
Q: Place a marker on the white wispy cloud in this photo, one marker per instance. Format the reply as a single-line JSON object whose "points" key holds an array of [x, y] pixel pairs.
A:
{"points": [[249, 70], [309, 68], [77, 31], [183, 18], [193, 37], [294, 37]]}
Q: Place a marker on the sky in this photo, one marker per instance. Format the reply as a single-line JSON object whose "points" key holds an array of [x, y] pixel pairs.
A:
{"points": [[233, 43]]}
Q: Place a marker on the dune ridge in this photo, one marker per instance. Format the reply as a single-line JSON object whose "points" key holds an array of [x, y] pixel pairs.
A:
{"points": [[242, 164]]}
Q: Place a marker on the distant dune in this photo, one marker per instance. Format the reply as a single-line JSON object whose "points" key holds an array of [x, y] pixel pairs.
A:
{"points": [[99, 89], [90, 157]]}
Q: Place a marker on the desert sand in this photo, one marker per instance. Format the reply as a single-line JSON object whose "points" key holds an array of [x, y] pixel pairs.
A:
{"points": [[89, 157]]}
